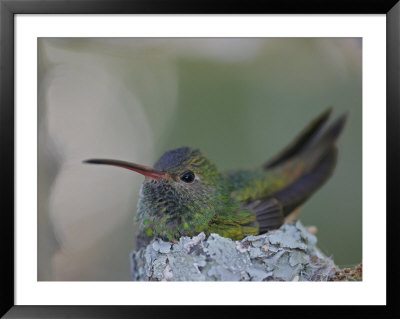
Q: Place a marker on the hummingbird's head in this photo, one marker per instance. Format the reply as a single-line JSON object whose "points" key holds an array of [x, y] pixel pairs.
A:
{"points": [[179, 195], [187, 167]]}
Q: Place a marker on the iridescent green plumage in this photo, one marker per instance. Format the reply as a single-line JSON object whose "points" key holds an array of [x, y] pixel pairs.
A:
{"points": [[185, 194]]}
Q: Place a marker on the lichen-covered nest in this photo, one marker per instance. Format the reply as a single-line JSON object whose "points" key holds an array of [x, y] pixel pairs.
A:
{"points": [[286, 254]]}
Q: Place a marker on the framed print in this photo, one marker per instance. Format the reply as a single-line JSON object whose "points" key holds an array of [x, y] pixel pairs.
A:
{"points": [[236, 117]]}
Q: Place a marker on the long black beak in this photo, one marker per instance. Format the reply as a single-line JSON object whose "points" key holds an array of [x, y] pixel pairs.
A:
{"points": [[141, 169]]}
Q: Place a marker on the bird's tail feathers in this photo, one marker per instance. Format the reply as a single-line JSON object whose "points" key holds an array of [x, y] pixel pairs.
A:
{"points": [[301, 142], [312, 144], [323, 144], [316, 148]]}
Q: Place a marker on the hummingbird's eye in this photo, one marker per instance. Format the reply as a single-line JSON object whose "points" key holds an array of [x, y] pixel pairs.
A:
{"points": [[188, 177]]}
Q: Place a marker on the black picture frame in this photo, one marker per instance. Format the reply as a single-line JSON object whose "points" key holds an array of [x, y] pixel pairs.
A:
{"points": [[8, 10]]}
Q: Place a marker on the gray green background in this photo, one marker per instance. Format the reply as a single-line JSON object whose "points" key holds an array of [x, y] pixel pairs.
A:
{"points": [[239, 100]]}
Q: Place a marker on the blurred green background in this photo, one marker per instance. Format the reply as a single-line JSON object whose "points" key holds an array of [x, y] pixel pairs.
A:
{"points": [[239, 100]]}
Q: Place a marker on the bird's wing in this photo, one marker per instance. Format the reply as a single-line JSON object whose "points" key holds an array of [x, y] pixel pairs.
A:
{"points": [[272, 210], [318, 156]]}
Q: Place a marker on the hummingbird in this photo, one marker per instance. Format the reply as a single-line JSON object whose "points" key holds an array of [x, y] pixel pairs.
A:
{"points": [[185, 194]]}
